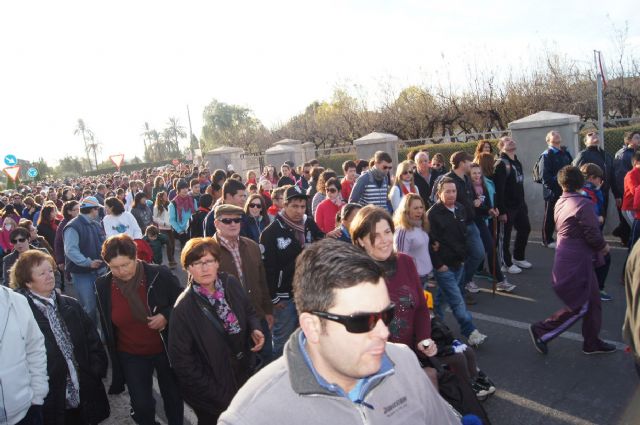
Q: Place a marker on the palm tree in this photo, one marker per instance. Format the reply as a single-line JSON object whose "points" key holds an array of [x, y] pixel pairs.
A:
{"points": [[85, 133], [94, 146], [146, 136], [175, 131]]}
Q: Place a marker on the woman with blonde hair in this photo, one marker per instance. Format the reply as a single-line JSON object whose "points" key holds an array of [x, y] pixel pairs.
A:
{"points": [[411, 236], [403, 183]]}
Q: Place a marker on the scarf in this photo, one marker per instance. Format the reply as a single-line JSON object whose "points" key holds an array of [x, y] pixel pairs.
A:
{"points": [[204, 210], [298, 228], [415, 223], [64, 343], [407, 187], [183, 203], [129, 290], [220, 305], [337, 201], [54, 225]]}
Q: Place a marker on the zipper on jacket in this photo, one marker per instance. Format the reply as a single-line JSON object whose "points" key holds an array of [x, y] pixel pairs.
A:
{"points": [[360, 408]]}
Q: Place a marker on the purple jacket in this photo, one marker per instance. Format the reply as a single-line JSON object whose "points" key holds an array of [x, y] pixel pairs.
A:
{"points": [[58, 248], [579, 243]]}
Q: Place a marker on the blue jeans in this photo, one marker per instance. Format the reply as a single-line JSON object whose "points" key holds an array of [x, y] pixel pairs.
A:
{"points": [[475, 254], [84, 286], [138, 375], [449, 293], [285, 322], [266, 354]]}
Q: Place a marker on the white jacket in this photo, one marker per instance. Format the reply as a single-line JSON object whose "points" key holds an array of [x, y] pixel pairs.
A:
{"points": [[123, 223], [23, 358], [161, 219]]}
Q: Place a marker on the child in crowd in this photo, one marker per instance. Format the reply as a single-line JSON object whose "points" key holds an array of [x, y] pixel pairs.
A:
{"points": [[156, 240], [593, 177]]}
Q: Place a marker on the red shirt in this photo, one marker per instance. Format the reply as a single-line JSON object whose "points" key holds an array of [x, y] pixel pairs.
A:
{"points": [[631, 182], [133, 337], [326, 215], [347, 187]]}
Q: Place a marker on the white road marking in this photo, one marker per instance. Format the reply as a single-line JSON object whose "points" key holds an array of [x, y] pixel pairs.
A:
{"points": [[525, 326], [546, 411]]}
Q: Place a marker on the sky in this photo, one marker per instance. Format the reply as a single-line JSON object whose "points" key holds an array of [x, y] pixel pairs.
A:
{"points": [[119, 64]]}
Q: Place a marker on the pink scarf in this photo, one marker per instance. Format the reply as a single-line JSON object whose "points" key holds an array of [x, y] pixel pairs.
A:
{"points": [[184, 204]]}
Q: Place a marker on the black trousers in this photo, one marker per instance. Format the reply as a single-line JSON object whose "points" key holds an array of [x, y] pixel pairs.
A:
{"points": [[518, 219], [549, 223]]}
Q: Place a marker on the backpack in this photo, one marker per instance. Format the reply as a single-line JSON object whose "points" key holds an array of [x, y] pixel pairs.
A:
{"points": [[537, 176]]}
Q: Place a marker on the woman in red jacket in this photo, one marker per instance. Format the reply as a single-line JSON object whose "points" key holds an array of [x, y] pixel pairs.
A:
{"points": [[326, 212], [631, 199]]}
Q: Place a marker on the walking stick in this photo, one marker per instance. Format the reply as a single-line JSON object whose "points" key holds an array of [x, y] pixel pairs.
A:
{"points": [[495, 254]]}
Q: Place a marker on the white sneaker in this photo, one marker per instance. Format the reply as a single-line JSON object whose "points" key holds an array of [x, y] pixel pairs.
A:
{"points": [[476, 338], [523, 264], [472, 287], [513, 269], [552, 245], [505, 286]]}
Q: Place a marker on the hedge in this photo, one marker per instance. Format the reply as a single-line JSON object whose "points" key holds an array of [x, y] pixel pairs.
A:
{"points": [[613, 137]]}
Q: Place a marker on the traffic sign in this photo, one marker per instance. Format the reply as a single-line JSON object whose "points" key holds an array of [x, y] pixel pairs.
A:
{"points": [[12, 172], [10, 160], [117, 160], [32, 172]]}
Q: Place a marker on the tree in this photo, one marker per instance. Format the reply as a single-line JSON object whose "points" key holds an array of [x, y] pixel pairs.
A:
{"points": [[42, 167], [86, 133], [173, 133], [233, 125], [146, 137], [70, 166]]}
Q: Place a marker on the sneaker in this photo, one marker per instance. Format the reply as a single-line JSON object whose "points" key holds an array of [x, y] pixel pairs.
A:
{"points": [[505, 286], [476, 338], [602, 348], [484, 380], [481, 391], [523, 264], [540, 345], [604, 296], [472, 287], [513, 269], [551, 245], [469, 299]]}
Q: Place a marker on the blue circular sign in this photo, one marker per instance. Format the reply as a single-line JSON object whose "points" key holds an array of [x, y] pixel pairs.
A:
{"points": [[10, 160], [32, 172]]}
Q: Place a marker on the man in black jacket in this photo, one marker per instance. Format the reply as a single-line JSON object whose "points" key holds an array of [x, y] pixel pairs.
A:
{"points": [[448, 252], [595, 155], [510, 202], [281, 243], [424, 177], [622, 165], [553, 159]]}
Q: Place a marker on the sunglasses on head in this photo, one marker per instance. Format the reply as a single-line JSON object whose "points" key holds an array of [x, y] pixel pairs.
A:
{"points": [[255, 206], [231, 220], [14, 241], [360, 322]]}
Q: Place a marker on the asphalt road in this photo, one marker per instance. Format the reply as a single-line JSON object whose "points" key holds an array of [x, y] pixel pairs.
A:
{"points": [[563, 387]]}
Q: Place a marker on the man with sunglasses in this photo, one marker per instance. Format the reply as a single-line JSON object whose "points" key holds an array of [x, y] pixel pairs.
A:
{"points": [[372, 187], [20, 239], [241, 257], [340, 355], [281, 242]]}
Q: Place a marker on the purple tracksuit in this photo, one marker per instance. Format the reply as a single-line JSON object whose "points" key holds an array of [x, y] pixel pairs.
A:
{"points": [[574, 280]]}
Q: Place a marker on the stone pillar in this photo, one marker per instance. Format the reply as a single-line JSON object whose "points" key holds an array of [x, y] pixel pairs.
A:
{"points": [[223, 156], [278, 154], [368, 145], [309, 150], [299, 154], [529, 133]]}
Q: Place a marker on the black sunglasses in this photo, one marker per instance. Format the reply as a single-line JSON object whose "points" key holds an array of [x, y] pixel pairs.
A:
{"points": [[361, 322], [231, 220], [332, 190], [407, 172], [255, 206], [14, 241]]}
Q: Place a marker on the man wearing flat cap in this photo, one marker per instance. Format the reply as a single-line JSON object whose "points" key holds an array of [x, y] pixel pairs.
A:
{"points": [[281, 243], [241, 257]]}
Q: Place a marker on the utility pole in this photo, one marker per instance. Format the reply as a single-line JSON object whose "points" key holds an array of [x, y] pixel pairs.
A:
{"points": [[601, 83]]}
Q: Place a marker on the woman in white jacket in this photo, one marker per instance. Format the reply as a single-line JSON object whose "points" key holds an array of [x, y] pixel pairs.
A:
{"points": [[161, 219], [118, 221], [23, 362]]}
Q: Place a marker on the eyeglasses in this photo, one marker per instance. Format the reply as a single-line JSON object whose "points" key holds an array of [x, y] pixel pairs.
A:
{"points": [[18, 240], [203, 264], [361, 322], [332, 190], [236, 220], [255, 206], [591, 134], [407, 172], [387, 167]]}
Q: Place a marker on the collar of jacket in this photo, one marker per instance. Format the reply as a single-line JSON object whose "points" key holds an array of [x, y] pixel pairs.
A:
{"points": [[284, 225], [306, 381]]}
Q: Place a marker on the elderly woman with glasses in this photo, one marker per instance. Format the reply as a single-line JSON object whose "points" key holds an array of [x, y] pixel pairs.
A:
{"points": [[135, 301], [215, 333], [403, 183], [325, 215], [255, 219], [76, 360]]}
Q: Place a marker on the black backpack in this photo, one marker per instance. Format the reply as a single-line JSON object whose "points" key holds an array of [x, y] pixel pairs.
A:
{"points": [[537, 176]]}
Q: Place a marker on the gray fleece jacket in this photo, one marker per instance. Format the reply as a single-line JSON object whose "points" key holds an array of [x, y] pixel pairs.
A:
{"points": [[287, 392]]}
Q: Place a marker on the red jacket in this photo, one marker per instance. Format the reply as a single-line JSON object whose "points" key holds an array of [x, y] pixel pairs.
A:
{"points": [[347, 187], [631, 183], [326, 215]]}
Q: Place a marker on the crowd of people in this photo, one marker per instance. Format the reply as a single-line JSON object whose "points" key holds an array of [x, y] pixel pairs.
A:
{"points": [[297, 280]]}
